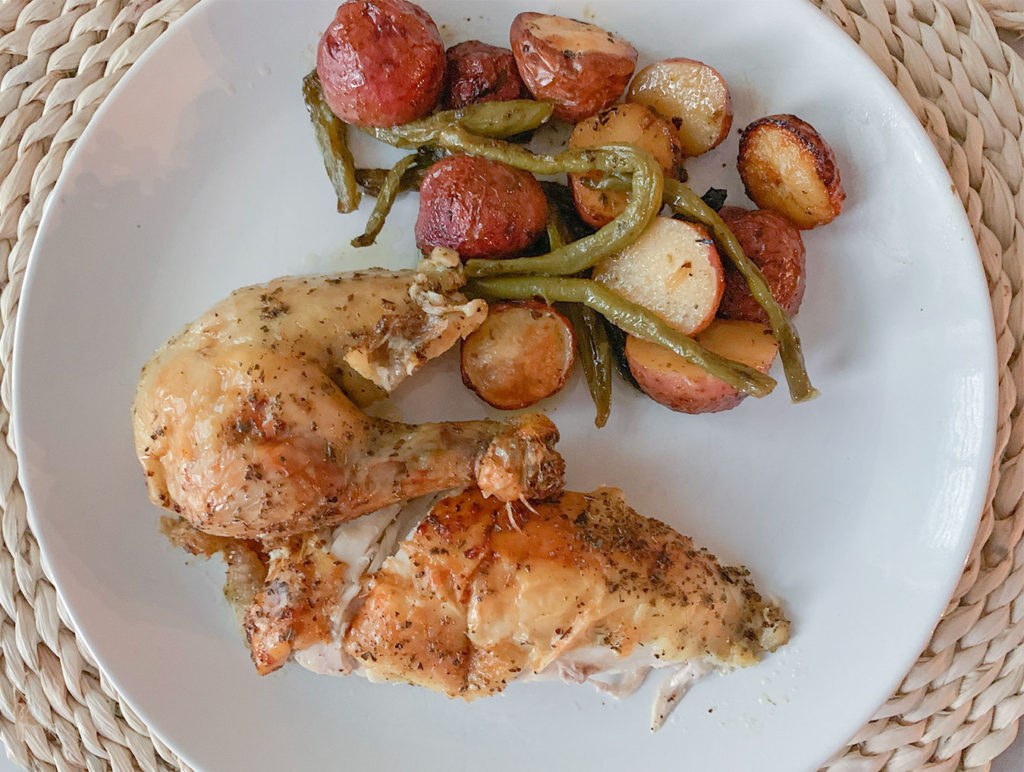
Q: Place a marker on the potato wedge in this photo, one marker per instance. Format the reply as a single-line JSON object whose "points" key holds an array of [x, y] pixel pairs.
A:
{"points": [[673, 269], [625, 123], [692, 96], [578, 67], [775, 246], [786, 166], [522, 353], [671, 381]]}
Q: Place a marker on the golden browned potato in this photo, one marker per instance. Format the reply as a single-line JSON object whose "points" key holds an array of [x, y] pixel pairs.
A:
{"points": [[692, 96], [479, 208], [775, 246], [578, 67], [786, 166], [625, 123], [672, 381], [673, 269], [522, 353], [478, 72], [381, 62]]}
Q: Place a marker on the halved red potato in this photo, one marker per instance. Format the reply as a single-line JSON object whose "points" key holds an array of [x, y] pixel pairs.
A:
{"points": [[578, 67], [625, 123], [775, 246], [673, 269], [692, 96], [522, 353], [381, 62], [479, 208], [786, 166], [478, 72], [674, 382]]}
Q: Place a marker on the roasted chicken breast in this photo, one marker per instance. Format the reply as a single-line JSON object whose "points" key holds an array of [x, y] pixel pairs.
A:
{"points": [[480, 593], [483, 593]]}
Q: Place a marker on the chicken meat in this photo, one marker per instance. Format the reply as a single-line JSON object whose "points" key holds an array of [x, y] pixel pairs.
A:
{"points": [[244, 424], [578, 587]]}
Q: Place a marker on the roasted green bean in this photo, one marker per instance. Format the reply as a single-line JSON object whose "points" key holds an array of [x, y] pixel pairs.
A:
{"points": [[372, 180], [591, 336], [631, 317], [595, 356], [485, 119], [619, 160], [503, 119], [332, 138], [385, 199], [689, 205]]}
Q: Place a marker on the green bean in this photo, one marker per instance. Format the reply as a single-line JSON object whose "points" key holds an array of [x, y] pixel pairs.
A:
{"points": [[631, 317], [372, 180], [688, 204], [591, 337], [620, 160], [503, 119], [386, 198], [617, 345], [332, 138], [595, 356], [487, 119], [691, 206]]}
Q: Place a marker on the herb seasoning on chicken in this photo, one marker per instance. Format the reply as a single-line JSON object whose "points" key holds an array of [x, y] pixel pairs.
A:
{"points": [[243, 426]]}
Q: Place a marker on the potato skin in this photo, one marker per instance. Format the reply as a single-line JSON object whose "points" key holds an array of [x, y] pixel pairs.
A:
{"points": [[692, 95], [381, 62], [677, 384], [521, 354], [776, 247], [633, 123], [815, 199], [479, 208], [576, 82], [478, 72]]}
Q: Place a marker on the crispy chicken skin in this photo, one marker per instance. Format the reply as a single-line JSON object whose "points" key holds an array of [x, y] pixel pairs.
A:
{"points": [[483, 593], [243, 425]]}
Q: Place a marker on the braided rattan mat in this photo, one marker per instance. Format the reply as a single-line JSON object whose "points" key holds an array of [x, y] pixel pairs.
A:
{"points": [[958, 706]]}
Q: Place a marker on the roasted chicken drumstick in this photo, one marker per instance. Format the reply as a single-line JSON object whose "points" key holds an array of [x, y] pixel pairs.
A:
{"points": [[243, 426]]}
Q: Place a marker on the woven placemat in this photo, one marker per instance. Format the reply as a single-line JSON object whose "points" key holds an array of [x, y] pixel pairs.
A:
{"points": [[959, 705]]}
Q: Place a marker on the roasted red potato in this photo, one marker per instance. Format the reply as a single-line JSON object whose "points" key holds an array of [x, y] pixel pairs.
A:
{"points": [[625, 123], [381, 62], [674, 382], [478, 72], [787, 167], [479, 208], [692, 96], [673, 269], [578, 67], [522, 353], [775, 246]]}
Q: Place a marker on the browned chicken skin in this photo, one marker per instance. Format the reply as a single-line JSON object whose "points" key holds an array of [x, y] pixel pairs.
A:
{"points": [[243, 426], [479, 596]]}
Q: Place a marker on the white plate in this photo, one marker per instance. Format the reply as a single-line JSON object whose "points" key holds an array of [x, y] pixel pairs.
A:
{"points": [[200, 175]]}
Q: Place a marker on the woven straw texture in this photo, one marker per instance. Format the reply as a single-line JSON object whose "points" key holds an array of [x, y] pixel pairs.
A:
{"points": [[960, 703]]}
